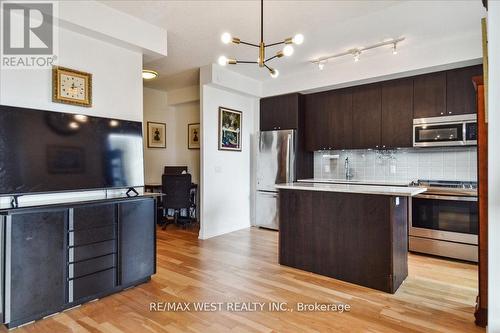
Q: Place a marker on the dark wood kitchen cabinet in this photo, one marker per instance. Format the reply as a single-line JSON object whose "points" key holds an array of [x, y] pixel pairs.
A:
{"points": [[35, 247], [280, 112], [329, 120], [317, 121], [397, 113], [460, 92], [429, 95], [366, 116]]}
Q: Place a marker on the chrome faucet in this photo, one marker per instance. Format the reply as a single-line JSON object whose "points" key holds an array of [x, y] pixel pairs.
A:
{"points": [[348, 173]]}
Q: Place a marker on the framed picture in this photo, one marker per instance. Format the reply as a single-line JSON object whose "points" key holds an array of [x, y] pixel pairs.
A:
{"points": [[156, 135], [194, 136], [229, 129], [71, 86]]}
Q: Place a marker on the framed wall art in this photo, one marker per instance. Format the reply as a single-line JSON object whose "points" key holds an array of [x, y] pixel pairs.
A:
{"points": [[156, 135], [229, 129], [194, 136]]}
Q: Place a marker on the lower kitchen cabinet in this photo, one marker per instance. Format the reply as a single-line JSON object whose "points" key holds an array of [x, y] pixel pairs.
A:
{"points": [[137, 239], [35, 262], [59, 257]]}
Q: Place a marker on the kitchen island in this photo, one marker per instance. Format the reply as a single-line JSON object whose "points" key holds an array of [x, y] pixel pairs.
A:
{"points": [[354, 233]]}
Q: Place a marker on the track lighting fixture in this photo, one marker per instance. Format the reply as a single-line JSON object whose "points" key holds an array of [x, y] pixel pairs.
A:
{"points": [[356, 53], [287, 50]]}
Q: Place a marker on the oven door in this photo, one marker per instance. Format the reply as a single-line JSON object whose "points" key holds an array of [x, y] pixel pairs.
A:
{"points": [[446, 218], [428, 135]]}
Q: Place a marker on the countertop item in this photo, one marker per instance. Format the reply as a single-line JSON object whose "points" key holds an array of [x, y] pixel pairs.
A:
{"points": [[355, 181], [448, 187], [348, 188]]}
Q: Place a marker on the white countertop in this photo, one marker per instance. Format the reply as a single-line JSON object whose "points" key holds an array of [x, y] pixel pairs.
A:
{"points": [[348, 188], [354, 182]]}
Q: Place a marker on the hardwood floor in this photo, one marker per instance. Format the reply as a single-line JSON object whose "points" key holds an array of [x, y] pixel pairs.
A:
{"points": [[438, 295]]}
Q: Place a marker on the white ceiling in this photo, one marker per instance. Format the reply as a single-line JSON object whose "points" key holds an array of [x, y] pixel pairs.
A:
{"points": [[194, 28]]}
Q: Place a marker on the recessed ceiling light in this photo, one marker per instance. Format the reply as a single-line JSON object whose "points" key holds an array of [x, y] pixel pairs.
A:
{"points": [[149, 74]]}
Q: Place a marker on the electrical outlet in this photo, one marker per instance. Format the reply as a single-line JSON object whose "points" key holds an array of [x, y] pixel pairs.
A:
{"points": [[393, 169]]}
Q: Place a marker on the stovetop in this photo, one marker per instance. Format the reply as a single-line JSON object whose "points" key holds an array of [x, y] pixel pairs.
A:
{"points": [[448, 187]]}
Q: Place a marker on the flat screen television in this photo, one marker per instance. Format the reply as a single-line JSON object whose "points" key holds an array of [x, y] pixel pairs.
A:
{"points": [[44, 151]]}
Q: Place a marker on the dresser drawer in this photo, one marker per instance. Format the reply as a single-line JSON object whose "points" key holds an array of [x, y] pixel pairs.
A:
{"points": [[92, 250], [87, 236], [92, 285], [93, 216], [91, 266]]}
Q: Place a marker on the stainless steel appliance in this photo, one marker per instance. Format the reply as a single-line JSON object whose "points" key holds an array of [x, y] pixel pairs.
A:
{"points": [[275, 164], [444, 220], [460, 130]]}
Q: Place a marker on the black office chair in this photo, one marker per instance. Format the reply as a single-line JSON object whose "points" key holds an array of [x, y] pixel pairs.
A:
{"points": [[177, 196], [175, 170]]}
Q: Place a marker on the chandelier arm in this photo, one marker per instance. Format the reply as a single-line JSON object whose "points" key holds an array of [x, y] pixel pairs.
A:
{"points": [[269, 59], [249, 44], [274, 44], [246, 62], [269, 68]]}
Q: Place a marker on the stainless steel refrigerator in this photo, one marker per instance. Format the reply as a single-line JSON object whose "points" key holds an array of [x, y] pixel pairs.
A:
{"points": [[275, 164]]}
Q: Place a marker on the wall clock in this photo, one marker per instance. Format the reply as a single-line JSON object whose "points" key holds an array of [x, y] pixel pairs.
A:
{"points": [[71, 86]]}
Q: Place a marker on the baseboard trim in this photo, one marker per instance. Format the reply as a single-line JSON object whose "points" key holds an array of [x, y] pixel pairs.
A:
{"points": [[223, 232]]}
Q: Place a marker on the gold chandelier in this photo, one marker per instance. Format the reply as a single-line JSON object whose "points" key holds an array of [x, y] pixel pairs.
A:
{"points": [[287, 50]]}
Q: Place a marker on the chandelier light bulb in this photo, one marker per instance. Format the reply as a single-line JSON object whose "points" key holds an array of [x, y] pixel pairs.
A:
{"points": [[226, 38], [222, 60], [298, 39], [274, 73], [288, 50]]}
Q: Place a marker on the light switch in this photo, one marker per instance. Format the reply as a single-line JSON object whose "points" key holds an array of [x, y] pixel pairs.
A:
{"points": [[218, 169], [327, 168]]}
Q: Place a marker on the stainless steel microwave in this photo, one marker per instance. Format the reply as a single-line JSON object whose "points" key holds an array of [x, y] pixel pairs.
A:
{"points": [[459, 130]]}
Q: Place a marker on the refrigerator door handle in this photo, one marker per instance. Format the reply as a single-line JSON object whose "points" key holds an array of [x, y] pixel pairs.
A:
{"points": [[288, 155]]}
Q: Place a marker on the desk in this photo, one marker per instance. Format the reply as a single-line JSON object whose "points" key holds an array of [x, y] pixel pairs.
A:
{"points": [[193, 211]]}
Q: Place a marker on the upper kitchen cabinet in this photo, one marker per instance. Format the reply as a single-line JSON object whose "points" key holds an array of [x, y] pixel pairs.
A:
{"points": [[366, 116], [317, 121], [397, 113], [340, 119], [429, 95], [280, 112], [460, 93]]}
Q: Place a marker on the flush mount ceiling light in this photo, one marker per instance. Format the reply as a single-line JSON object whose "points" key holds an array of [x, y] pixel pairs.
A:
{"points": [[149, 74], [356, 53], [287, 50]]}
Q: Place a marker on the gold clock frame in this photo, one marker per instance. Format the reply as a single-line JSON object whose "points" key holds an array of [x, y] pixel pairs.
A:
{"points": [[56, 93]]}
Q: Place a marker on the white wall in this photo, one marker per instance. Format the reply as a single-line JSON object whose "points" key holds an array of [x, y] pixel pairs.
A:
{"points": [[227, 186], [117, 84], [494, 167], [177, 109], [116, 76]]}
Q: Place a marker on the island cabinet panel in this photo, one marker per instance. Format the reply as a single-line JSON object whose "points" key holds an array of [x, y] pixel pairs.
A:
{"points": [[367, 116], [35, 263], [356, 238], [397, 113], [280, 112], [137, 240], [460, 92], [429, 95]]}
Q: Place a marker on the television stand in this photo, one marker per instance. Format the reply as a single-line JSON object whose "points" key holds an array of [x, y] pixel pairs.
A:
{"points": [[14, 202], [131, 190]]}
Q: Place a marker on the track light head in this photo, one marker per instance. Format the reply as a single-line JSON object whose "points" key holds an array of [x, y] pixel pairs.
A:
{"points": [[395, 48], [356, 55], [321, 64]]}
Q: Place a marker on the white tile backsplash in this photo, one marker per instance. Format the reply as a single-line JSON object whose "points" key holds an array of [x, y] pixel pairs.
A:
{"points": [[410, 164]]}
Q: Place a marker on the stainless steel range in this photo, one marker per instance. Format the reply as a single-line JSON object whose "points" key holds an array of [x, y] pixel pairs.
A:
{"points": [[444, 219]]}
